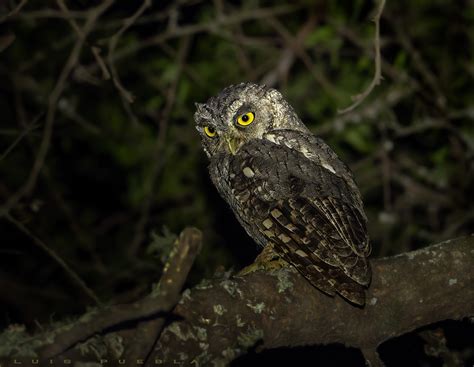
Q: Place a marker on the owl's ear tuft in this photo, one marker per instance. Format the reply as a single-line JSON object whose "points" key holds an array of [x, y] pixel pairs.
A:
{"points": [[199, 106], [202, 111]]}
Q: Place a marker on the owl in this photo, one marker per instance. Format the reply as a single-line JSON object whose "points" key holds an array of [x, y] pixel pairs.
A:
{"points": [[286, 187]]}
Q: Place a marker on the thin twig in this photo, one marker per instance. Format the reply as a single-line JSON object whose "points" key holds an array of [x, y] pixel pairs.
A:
{"points": [[19, 138], [188, 30], [296, 45], [287, 57], [127, 23], [161, 300], [95, 50], [15, 11], [72, 274], [70, 19], [420, 65], [359, 98]]}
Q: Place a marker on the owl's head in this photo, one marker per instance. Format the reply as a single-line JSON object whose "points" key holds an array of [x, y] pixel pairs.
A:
{"points": [[241, 113]]}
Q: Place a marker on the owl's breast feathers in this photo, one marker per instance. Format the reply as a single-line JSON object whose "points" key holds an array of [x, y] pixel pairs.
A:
{"points": [[290, 189]]}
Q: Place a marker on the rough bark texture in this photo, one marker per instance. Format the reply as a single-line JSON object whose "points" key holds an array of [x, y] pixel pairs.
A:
{"points": [[220, 319]]}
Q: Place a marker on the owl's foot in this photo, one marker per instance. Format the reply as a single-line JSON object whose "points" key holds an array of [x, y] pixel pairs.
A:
{"points": [[267, 260]]}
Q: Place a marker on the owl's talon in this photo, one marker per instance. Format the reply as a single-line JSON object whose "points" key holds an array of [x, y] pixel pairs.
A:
{"points": [[267, 261]]}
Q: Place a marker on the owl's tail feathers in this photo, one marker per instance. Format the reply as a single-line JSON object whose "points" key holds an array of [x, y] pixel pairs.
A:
{"points": [[353, 292], [347, 287], [331, 280], [335, 281]]}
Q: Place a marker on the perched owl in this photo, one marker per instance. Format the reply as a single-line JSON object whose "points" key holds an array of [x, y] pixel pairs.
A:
{"points": [[287, 188]]}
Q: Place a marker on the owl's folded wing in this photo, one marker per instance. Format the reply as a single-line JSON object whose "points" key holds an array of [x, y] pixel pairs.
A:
{"points": [[313, 216]]}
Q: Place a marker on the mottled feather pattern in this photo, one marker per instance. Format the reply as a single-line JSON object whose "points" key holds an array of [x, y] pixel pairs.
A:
{"points": [[288, 189], [311, 213]]}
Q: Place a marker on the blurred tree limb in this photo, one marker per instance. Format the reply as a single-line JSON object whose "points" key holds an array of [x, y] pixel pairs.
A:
{"points": [[359, 98], [220, 319]]}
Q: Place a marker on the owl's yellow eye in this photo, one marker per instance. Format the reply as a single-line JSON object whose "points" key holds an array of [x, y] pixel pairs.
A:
{"points": [[210, 131], [246, 119]]}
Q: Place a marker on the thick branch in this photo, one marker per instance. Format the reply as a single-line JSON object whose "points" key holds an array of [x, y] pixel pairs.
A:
{"points": [[161, 300], [222, 318]]}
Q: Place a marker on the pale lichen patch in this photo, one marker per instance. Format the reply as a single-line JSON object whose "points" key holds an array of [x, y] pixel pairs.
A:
{"points": [[180, 334], [185, 296], [250, 337], [182, 356], [257, 308], [95, 346], [204, 320], [231, 287], [87, 317], [284, 281], [219, 309], [201, 333], [204, 284], [114, 343], [411, 255], [16, 342], [239, 321], [229, 354]]}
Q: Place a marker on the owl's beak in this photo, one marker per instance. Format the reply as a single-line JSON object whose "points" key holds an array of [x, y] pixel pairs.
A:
{"points": [[233, 143]]}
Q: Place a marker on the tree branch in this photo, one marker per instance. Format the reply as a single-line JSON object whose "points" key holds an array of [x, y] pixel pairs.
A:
{"points": [[163, 298], [220, 319], [359, 98], [223, 318]]}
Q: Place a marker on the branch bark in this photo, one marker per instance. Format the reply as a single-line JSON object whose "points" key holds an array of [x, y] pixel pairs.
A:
{"points": [[220, 319], [223, 318]]}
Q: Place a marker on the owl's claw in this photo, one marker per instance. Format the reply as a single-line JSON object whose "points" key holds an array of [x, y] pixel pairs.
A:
{"points": [[267, 260]]}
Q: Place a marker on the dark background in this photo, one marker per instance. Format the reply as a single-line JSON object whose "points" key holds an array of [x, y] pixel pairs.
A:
{"points": [[123, 171]]}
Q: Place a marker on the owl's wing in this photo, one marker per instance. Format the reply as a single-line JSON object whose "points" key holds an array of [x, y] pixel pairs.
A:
{"points": [[311, 215]]}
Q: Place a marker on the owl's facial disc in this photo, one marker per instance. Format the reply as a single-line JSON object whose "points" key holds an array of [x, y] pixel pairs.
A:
{"points": [[241, 113]]}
